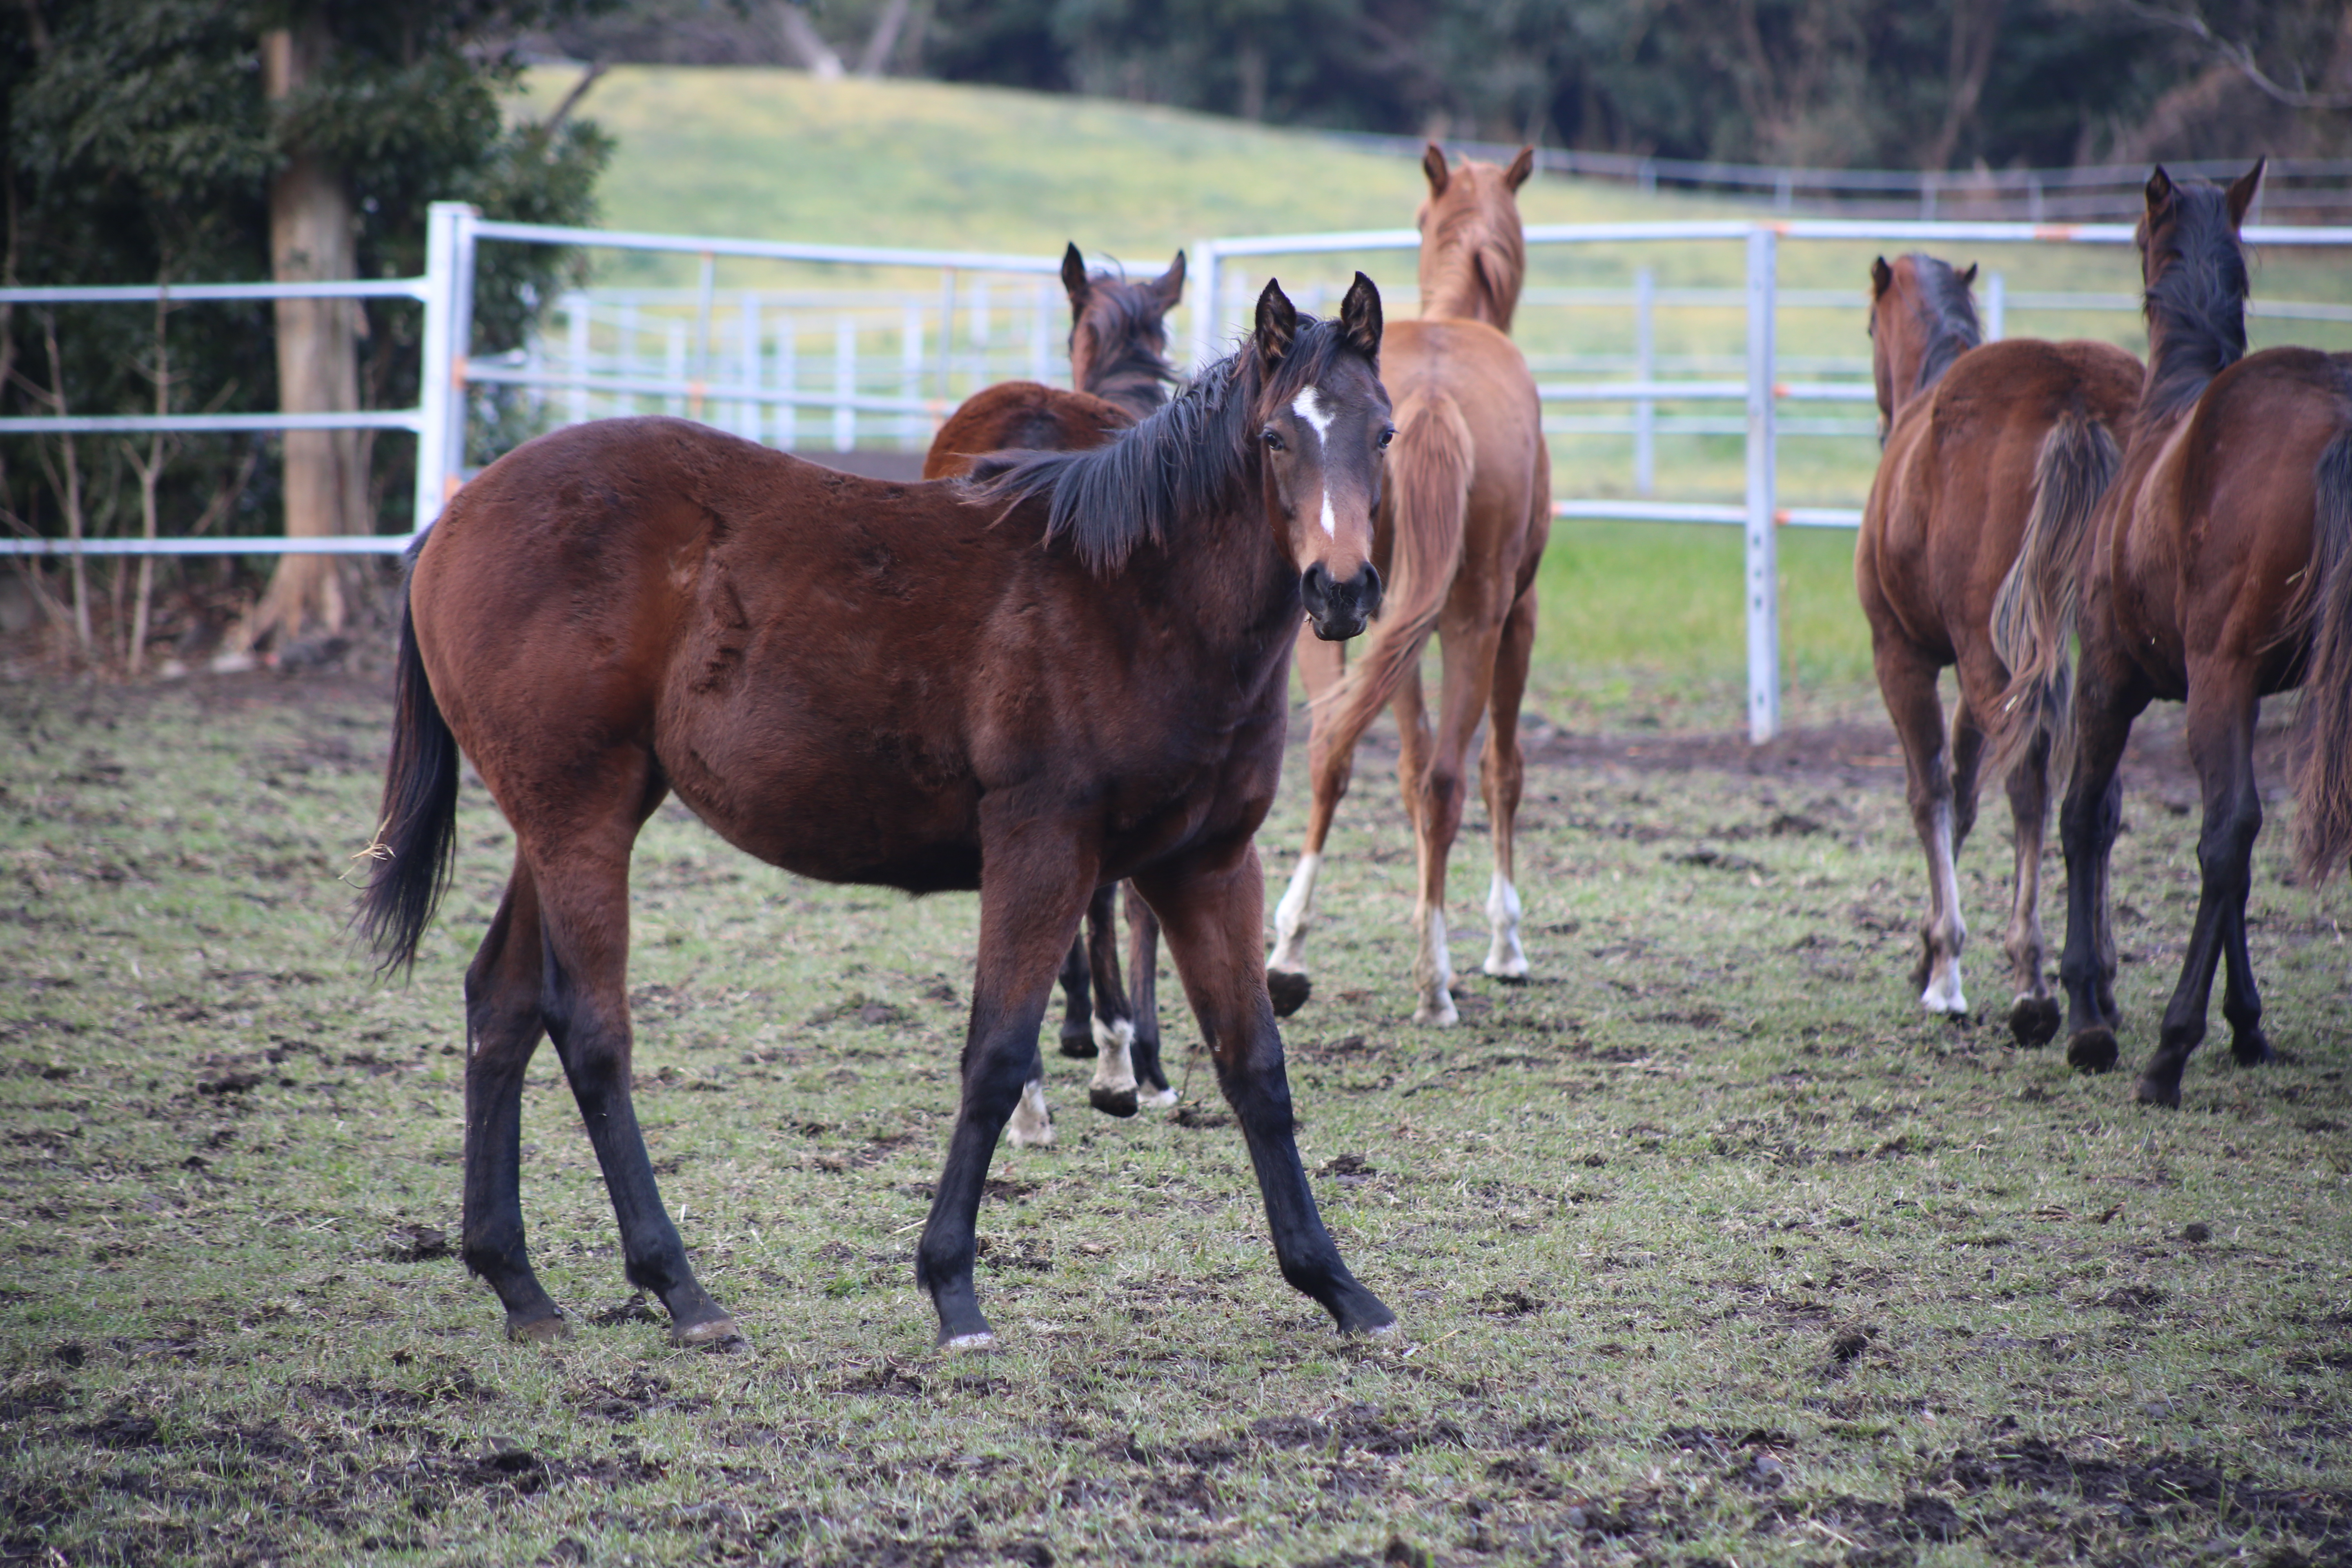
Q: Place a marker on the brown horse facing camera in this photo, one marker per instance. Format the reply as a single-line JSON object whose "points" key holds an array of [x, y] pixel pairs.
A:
{"points": [[2219, 572], [1462, 529], [1995, 457], [1071, 670], [1119, 365]]}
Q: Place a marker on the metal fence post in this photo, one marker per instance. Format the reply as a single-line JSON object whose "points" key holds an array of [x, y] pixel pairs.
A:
{"points": [[1996, 321], [1208, 290], [437, 379], [1646, 369], [576, 325], [1763, 553]]}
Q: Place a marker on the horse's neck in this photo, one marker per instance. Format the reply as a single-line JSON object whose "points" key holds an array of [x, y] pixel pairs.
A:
{"points": [[1460, 294], [2182, 360], [1136, 381], [1222, 589]]}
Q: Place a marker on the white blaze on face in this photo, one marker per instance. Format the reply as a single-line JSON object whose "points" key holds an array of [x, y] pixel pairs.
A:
{"points": [[1309, 406]]}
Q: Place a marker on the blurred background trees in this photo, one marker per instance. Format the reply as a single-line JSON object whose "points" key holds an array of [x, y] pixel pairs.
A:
{"points": [[1918, 84], [151, 140]]}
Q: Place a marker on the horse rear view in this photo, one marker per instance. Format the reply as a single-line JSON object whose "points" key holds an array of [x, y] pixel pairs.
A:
{"points": [[1995, 457], [2219, 573], [1119, 373], [1462, 526]]}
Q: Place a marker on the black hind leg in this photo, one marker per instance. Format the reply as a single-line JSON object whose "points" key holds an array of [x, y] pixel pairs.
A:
{"points": [[503, 1026], [1143, 964], [1077, 1004]]}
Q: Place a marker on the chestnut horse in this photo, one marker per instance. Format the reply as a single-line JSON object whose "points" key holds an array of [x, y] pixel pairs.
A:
{"points": [[1075, 671], [1118, 365], [1995, 455], [1462, 528], [2219, 571]]}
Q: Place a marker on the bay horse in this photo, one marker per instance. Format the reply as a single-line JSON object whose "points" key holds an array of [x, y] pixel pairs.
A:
{"points": [[2219, 572], [1121, 374], [1461, 531], [1995, 455], [1073, 669]]}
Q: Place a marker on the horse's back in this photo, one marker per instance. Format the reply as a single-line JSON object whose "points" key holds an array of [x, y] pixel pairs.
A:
{"points": [[1020, 416], [2240, 495], [1948, 509], [1485, 378]]}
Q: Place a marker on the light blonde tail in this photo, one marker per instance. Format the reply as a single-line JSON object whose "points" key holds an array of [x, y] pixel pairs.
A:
{"points": [[2034, 611], [1428, 485]]}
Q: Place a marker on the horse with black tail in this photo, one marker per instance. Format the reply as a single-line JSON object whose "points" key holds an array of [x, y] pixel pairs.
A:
{"points": [[1995, 455], [1073, 669], [2219, 572], [1119, 373]]}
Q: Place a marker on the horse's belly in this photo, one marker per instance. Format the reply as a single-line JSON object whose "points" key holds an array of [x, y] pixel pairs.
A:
{"points": [[835, 806]]}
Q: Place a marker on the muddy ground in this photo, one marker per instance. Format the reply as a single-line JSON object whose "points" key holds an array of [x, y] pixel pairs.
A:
{"points": [[1708, 1247]]}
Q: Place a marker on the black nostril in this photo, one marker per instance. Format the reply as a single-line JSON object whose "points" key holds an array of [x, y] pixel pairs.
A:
{"points": [[1315, 588], [1367, 590]]}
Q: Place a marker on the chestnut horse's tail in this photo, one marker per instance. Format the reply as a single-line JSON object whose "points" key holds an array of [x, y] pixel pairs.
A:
{"points": [[416, 841], [1429, 479], [2033, 610], [2324, 786]]}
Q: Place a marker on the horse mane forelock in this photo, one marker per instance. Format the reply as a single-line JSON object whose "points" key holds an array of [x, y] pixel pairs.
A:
{"points": [[1189, 456], [1128, 371], [1949, 314], [1480, 245], [2196, 300]]}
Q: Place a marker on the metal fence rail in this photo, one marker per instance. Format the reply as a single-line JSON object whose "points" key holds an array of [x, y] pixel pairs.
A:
{"points": [[697, 378]]}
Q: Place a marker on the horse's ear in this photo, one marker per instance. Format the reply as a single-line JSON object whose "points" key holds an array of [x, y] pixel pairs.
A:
{"points": [[1882, 277], [1359, 317], [1433, 163], [1521, 167], [1074, 277], [1169, 287], [1969, 277], [1277, 324], [2242, 189], [2159, 190]]}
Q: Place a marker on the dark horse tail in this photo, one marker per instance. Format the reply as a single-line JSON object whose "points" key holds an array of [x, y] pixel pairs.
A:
{"points": [[2033, 610], [416, 839], [2323, 787], [1429, 476]]}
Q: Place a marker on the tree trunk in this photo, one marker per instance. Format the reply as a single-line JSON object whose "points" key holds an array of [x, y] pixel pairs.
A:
{"points": [[807, 45], [876, 61], [310, 237]]}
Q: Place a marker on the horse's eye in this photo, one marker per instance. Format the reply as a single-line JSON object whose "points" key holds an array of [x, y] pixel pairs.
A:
{"points": [[1273, 440], [1386, 436]]}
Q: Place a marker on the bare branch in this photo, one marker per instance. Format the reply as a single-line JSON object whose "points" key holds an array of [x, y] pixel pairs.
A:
{"points": [[588, 78], [2239, 54]]}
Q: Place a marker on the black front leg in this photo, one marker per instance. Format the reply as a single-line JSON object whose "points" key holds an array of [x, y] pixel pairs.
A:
{"points": [[1213, 909]]}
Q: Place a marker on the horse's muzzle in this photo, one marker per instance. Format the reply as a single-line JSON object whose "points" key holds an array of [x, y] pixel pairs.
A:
{"points": [[1339, 610]]}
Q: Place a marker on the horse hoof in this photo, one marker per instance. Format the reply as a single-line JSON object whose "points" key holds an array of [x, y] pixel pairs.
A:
{"points": [[2033, 1021], [1112, 1102], [1443, 1015], [2153, 1090], [1288, 990], [1079, 1047], [2093, 1050], [2252, 1049], [718, 1334], [1157, 1098], [972, 1343], [546, 1328]]}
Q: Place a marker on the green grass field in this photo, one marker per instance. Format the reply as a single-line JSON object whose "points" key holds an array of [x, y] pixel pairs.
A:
{"points": [[1708, 1247]]}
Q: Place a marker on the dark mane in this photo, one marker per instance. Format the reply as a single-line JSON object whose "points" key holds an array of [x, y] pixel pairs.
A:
{"points": [[1949, 314], [1189, 458], [1130, 339], [2196, 302]]}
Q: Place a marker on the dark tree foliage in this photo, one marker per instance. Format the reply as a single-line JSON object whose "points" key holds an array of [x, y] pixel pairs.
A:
{"points": [[139, 146]]}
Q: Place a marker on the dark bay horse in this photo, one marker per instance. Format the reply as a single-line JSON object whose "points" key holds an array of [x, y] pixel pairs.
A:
{"points": [[1120, 369], [1995, 455], [1073, 669], [2219, 573], [1462, 529]]}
